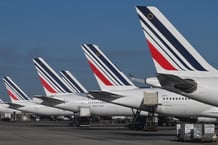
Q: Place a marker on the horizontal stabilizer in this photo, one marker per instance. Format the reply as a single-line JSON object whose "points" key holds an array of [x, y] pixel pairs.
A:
{"points": [[135, 79], [151, 81], [14, 106], [104, 96], [177, 84], [49, 101]]}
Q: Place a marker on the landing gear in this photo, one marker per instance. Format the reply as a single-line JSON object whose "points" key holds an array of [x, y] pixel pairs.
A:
{"points": [[146, 123], [151, 120], [138, 122], [80, 121]]}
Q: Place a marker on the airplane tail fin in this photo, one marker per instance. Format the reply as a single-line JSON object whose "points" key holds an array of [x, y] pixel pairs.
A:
{"points": [[170, 51], [51, 81], [72, 82], [108, 76], [15, 93]]}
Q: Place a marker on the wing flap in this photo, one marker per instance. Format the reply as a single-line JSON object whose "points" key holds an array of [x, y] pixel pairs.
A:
{"points": [[14, 106], [49, 101], [104, 96]]}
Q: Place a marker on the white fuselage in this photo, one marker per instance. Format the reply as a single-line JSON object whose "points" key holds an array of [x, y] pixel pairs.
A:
{"points": [[4, 108], [207, 90], [207, 85], [31, 107], [75, 102], [169, 103]]}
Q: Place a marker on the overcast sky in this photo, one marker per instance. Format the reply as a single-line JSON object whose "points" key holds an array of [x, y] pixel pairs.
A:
{"points": [[54, 30]]}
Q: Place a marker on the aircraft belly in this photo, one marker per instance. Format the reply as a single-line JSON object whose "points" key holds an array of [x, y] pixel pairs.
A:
{"points": [[110, 110], [172, 110], [44, 110]]}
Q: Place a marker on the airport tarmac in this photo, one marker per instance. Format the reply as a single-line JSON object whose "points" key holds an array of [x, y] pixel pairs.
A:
{"points": [[60, 133]]}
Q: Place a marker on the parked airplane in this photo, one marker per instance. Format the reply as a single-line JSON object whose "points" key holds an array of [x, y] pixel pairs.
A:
{"points": [[118, 89], [20, 101], [5, 108], [76, 102], [180, 68]]}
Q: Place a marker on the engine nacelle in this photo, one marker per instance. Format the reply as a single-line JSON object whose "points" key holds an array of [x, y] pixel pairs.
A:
{"points": [[199, 120], [206, 120]]}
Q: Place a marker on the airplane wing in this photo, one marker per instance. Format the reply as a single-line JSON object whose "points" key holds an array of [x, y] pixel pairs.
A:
{"points": [[14, 106], [49, 101], [104, 96], [177, 84]]}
